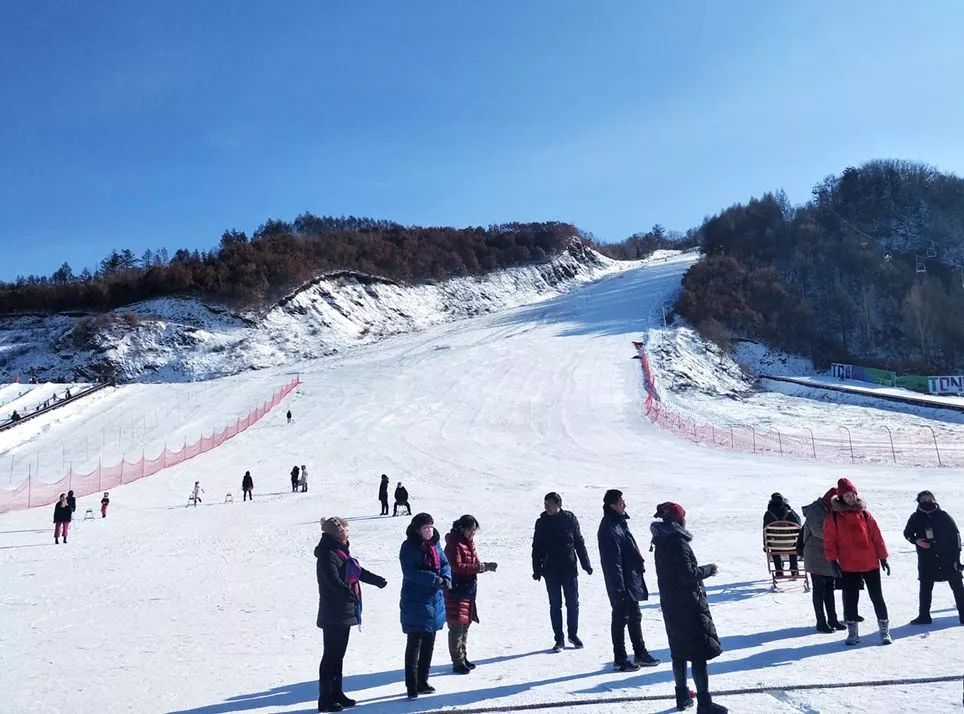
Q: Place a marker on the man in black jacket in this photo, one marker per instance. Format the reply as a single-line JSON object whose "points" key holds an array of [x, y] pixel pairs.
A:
{"points": [[401, 499], [556, 543], [383, 494], [623, 569], [779, 509], [938, 543]]}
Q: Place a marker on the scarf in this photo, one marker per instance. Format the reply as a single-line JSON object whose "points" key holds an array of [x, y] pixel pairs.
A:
{"points": [[430, 556], [352, 580]]}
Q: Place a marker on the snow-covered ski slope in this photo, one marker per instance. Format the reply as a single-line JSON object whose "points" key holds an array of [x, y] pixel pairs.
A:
{"points": [[162, 608]]}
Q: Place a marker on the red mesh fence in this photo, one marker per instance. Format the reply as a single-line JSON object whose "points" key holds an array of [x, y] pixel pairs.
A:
{"points": [[32, 492]]}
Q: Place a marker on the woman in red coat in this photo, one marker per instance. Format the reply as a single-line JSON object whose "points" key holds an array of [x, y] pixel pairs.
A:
{"points": [[856, 550], [460, 611]]}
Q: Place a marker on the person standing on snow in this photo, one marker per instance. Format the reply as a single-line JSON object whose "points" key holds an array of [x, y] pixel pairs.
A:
{"points": [[303, 480], [425, 575], [623, 568], [401, 499], [295, 477], [196, 493], [856, 550], [247, 486], [460, 609], [62, 517], [72, 502], [820, 569], [557, 542], [686, 611], [383, 494], [104, 503], [778, 509], [289, 416], [938, 543], [339, 608]]}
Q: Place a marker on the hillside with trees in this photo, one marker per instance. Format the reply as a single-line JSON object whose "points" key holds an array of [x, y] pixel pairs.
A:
{"points": [[871, 270], [279, 256]]}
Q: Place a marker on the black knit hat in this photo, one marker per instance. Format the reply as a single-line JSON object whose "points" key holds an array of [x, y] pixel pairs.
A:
{"points": [[925, 493]]}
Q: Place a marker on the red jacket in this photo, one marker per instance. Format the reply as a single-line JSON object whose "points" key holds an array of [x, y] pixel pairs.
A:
{"points": [[464, 560], [852, 537]]}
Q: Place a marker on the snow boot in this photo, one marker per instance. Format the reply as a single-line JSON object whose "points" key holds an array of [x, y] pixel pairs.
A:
{"points": [[460, 668], [624, 665], [470, 665], [426, 688], [706, 705], [559, 646], [853, 636], [684, 698], [326, 698], [837, 625], [57, 541], [575, 642], [645, 659], [885, 638], [922, 620], [823, 626], [339, 695]]}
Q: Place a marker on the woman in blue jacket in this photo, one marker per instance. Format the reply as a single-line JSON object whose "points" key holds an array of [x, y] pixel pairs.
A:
{"points": [[425, 574]]}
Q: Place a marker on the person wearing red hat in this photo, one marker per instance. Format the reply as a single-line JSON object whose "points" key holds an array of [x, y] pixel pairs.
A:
{"points": [[814, 562], [853, 544], [686, 611]]}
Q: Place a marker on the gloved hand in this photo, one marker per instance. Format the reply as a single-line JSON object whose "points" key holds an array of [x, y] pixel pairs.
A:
{"points": [[380, 583], [588, 570], [837, 572], [537, 576], [714, 568], [441, 583], [489, 567], [884, 565]]}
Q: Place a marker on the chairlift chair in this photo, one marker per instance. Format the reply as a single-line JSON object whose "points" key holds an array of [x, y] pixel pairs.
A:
{"points": [[888, 257], [921, 267], [932, 251], [780, 539]]}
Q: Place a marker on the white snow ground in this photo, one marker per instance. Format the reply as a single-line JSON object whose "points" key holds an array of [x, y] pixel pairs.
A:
{"points": [[160, 608]]}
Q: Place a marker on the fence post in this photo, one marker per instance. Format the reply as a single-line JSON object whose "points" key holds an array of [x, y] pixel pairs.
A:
{"points": [[935, 446], [813, 442], [713, 433], [29, 484], [893, 451], [732, 445], [753, 429], [100, 475], [779, 440], [850, 439]]}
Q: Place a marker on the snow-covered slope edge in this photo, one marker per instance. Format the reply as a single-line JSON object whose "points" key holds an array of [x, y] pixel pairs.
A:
{"points": [[177, 339]]}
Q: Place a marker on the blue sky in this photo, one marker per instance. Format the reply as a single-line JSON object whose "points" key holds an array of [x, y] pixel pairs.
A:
{"points": [[138, 125]]}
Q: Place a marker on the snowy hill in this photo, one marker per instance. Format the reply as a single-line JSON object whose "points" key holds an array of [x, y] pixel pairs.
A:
{"points": [[175, 339], [211, 610]]}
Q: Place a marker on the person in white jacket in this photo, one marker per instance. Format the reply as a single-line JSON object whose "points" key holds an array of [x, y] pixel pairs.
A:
{"points": [[303, 479], [196, 493]]}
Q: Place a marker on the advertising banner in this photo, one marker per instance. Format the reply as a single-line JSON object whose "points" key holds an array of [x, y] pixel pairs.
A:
{"points": [[953, 384]]}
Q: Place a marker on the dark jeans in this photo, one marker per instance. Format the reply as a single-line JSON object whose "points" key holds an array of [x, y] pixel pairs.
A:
{"points": [[401, 503], [384, 506], [823, 598], [778, 564], [557, 586], [626, 614], [851, 594], [418, 659], [248, 494], [701, 677], [927, 591], [329, 671]]}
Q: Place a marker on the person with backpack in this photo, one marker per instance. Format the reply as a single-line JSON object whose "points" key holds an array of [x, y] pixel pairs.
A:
{"points": [[247, 486], [623, 567], [810, 546], [383, 494], [778, 509], [426, 574], [938, 542], [104, 503], [557, 544], [295, 477], [401, 499], [460, 609], [339, 578], [62, 518], [686, 611], [853, 544]]}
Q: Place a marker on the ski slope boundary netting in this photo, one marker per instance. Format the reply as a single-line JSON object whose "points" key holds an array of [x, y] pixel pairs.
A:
{"points": [[925, 449], [32, 492]]}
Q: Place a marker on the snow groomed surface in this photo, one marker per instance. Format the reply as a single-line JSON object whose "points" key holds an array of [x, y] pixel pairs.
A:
{"points": [[208, 610]]}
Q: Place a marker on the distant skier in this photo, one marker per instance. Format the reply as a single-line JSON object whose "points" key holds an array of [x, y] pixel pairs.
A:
{"points": [[289, 416], [247, 486], [104, 503], [303, 479], [938, 543], [383, 494], [62, 517], [401, 499], [196, 493], [686, 612], [856, 550], [72, 502], [814, 562], [623, 567], [778, 509], [295, 477], [557, 544]]}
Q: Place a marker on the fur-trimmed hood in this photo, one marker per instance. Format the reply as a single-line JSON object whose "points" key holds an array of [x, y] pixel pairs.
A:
{"points": [[838, 505]]}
